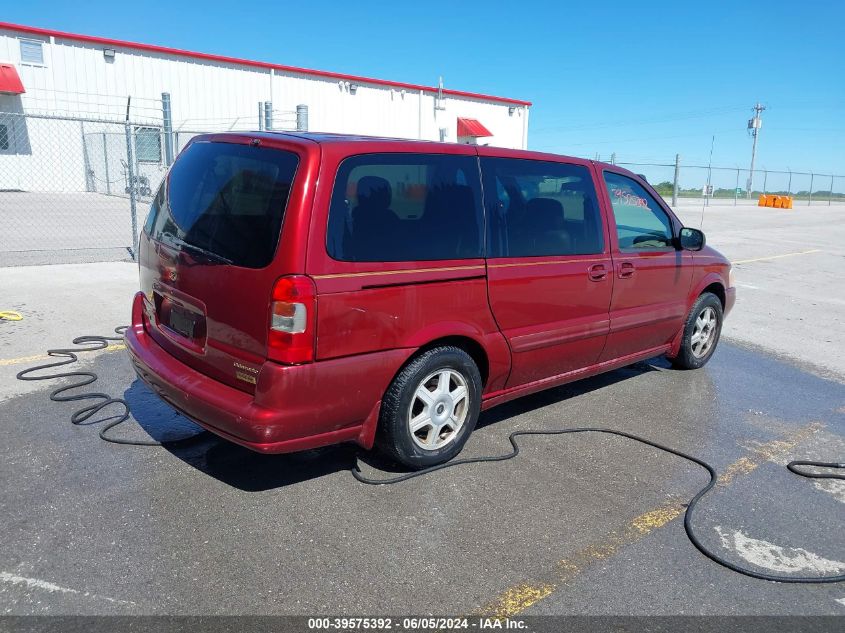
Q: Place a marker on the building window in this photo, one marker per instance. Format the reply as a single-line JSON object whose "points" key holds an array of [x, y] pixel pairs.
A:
{"points": [[4, 137], [32, 52], [147, 145]]}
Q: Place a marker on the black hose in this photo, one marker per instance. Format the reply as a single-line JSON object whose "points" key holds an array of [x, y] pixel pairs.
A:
{"points": [[91, 343], [792, 466], [356, 472], [79, 416]]}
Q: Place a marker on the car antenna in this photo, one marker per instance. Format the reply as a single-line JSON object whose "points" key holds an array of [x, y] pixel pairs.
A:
{"points": [[708, 185]]}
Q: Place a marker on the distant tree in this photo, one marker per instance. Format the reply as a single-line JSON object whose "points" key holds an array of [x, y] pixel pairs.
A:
{"points": [[664, 188]]}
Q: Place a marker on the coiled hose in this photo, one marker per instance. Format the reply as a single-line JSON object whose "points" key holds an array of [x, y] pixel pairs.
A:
{"points": [[93, 343]]}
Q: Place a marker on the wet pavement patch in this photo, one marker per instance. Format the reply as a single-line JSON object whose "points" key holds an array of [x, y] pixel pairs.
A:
{"points": [[572, 525]]}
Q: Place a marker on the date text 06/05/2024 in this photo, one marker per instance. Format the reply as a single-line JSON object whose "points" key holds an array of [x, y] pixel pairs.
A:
{"points": [[413, 623]]}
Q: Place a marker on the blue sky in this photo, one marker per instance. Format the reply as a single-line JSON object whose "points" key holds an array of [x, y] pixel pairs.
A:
{"points": [[646, 80]]}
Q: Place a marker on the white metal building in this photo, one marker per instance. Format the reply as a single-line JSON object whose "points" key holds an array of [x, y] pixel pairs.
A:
{"points": [[46, 72]]}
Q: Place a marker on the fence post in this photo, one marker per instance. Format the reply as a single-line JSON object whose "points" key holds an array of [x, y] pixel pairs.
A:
{"points": [[106, 164], [789, 186], [736, 188], [90, 185], [830, 193], [167, 120], [268, 115], [302, 117], [765, 179], [133, 203], [810, 197], [130, 178], [675, 181]]}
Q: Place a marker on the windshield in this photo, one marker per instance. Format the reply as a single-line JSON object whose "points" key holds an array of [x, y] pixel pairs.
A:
{"points": [[226, 200]]}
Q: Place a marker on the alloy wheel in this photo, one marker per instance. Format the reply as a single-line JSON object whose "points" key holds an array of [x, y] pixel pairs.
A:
{"points": [[438, 409], [704, 332]]}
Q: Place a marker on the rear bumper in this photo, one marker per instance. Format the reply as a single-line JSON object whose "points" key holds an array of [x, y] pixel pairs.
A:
{"points": [[295, 407]]}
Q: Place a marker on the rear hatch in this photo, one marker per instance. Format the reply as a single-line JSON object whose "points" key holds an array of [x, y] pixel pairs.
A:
{"points": [[206, 255]]}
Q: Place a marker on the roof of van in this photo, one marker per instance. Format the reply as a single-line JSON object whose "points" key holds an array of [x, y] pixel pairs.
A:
{"points": [[333, 137], [336, 137], [339, 138]]}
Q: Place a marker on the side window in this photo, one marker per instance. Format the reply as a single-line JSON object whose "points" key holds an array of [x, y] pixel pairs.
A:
{"points": [[405, 207], [541, 208], [641, 223]]}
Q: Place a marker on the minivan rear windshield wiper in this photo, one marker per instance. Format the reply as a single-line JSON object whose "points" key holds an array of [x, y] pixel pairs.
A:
{"points": [[178, 241]]}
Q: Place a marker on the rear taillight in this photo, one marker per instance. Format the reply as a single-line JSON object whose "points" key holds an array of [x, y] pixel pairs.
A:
{"points": [[142, 311], [293, 311]]}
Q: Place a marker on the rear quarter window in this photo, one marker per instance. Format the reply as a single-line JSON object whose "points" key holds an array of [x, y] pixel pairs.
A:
{"points": [[405, 207]]}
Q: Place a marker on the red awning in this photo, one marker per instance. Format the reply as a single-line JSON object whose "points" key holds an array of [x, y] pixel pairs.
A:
{"points": [[10, 82], [471, 127]]}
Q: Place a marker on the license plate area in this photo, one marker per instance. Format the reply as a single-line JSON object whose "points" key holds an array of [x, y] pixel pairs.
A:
{"points": [[182, 322], [184, 325]]}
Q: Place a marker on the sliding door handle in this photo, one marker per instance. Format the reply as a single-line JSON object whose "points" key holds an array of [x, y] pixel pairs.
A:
{"points": [[626, 270], [597, 272]]}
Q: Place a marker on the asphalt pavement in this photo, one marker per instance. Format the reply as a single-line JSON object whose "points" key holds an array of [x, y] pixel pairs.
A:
{"points": [[576, 524]]}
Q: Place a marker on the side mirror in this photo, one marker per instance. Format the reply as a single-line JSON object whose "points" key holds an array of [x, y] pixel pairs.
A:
{"points": [[692, 239]]}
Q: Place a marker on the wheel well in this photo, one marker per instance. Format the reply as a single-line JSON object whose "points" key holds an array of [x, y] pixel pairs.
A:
{"points": [[470, 346], [718, 290]]}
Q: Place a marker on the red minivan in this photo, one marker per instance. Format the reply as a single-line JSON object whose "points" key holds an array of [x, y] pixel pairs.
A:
{"points": [[299, 290]]}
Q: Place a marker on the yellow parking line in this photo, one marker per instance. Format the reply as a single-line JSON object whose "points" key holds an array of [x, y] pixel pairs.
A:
{"points": [[518, 598], [766, 452], [31, 359], [762, 259], [515, 600]]}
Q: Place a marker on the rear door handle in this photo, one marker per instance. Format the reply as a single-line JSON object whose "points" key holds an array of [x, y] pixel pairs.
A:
{"points": [[626, 270], [597, 272]]}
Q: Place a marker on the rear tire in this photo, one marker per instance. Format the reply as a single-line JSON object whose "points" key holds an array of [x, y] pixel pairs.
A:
{"points": [[701, 333], [430, 408]]}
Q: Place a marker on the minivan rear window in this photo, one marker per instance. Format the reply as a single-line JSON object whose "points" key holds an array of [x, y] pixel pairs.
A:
{"points": [[226, 199], [406, 207]]}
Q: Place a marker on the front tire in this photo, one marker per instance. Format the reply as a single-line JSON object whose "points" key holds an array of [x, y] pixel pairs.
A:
{"points": [[430, 408], [701, 333]]}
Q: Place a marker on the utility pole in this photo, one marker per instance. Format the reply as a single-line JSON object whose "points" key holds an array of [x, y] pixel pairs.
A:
{"points": [[754, 125]]}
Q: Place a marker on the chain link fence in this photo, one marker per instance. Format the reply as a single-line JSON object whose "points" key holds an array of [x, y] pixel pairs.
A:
{"points": [[75, 187], [68, 184], [681, 184]]}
